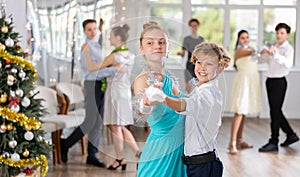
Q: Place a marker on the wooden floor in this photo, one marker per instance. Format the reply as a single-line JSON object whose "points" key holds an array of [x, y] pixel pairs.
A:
{"points": [[248, 163]]}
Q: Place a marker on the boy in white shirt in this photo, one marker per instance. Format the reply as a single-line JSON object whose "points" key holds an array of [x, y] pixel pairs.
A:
{"points": [[203, 109], [280, 59]]}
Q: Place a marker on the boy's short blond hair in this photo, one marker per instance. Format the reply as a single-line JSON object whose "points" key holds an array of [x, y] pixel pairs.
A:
{"points": [[211, 49]]}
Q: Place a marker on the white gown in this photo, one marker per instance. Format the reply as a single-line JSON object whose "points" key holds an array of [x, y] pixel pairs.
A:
{"points": [[245, 94], [118, 95]]}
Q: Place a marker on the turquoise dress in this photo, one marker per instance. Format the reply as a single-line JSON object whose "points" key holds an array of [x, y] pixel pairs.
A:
{"points": [[163, 149]]}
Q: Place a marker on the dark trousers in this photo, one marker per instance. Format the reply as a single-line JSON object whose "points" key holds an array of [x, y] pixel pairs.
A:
{"points": [[94, 107], [276, 89], [209, 169]]}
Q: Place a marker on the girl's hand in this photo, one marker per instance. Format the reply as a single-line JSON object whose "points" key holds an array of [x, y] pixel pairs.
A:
{"points": [[146, 100], [154, 95], [267, 51]]}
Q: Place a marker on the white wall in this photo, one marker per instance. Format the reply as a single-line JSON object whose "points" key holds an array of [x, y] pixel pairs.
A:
{"points": [[18, 11]]}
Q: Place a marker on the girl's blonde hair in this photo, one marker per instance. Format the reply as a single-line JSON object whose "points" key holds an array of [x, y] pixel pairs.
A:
{"points": [[211, 49], [148, 26]]}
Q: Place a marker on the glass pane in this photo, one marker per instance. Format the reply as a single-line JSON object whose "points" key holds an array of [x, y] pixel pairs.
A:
{"points": [[207, 17], [238, 22], [107, 14], [170, 20], [59, 33], [86, 14], [194, 2], [45, 33], [278, 15], [104, 2], [70, 31], [166, 1], [280, 2], [243, 2]]}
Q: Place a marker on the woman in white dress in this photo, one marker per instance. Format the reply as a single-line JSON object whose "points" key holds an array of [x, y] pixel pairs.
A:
{"points": [[118, 106], [245, 95]]}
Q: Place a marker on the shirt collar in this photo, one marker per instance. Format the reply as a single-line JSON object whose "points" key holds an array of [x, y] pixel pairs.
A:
{"points": [[91, 42], [284, 44], [210, 83]]}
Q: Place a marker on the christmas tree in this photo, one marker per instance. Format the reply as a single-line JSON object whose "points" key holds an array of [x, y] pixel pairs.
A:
{"points": [[22, 143]]}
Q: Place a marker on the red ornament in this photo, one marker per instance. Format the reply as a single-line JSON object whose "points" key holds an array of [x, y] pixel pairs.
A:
{"points": [[7, 62], [28, 171]]}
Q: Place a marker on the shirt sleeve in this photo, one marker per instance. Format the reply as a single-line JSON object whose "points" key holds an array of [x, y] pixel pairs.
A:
{"points": [[184, 45], [286, 59], [105, 72]]}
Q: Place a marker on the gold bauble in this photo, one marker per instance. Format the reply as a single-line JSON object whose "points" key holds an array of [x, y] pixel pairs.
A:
{"points": [[3, 98], [37, 126], [2, 46], [26, 153], [28, 128], [4, 29], [9, 127]]}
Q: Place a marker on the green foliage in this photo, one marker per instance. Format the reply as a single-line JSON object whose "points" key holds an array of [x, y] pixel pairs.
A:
{"points": [[15, 49]]}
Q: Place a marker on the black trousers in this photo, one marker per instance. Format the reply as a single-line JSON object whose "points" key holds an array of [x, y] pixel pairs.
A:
{"points": [[276, 89], [94, 108], [209, 169]]}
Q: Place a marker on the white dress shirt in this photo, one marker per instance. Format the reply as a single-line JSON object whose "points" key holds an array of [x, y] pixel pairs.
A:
{"points": [[281, 62], [203, 118]]}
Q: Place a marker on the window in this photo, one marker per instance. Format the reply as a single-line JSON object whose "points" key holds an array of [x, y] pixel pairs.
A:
{"points": [[220, 21], [258, 17], [107, 14], [273, 16], [211, 33], [280, 2], [170, 20], [238, 22], [194, 2], [45, 30], [166, 1], [243, 2]]}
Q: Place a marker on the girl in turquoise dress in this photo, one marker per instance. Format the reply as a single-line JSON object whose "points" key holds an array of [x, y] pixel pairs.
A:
{"points": [[163, 149]]}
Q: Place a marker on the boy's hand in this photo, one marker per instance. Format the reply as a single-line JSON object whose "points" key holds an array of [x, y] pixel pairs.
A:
{"points": [[272, 50]]}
